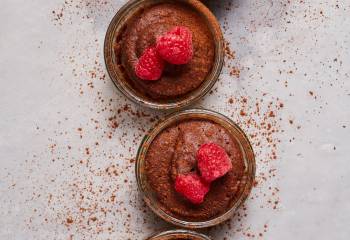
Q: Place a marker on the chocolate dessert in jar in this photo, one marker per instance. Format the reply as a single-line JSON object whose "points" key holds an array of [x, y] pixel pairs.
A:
{"points": [[179, 235], [164, 54], [195, 168]]}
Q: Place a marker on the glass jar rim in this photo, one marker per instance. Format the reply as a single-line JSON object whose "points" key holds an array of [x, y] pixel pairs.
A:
{"points": [[118, 78], [179, 233], [235, 131]]}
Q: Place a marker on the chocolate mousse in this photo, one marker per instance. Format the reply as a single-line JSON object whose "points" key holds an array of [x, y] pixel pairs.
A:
{"points": [[173, 152], [141, 32]]}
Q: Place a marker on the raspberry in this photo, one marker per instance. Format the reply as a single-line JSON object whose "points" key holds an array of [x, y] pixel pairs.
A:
{"points": [[150, 65], [176, 45], [192, 187], [213, 161]]}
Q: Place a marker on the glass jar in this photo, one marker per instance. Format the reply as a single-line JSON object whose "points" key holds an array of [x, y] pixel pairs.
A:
{"points": [[178, 234], [196, 114], [120, 78]]}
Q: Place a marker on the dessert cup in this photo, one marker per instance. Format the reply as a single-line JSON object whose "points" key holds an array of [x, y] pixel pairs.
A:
{"points": [[121, 79], [245, 185]]}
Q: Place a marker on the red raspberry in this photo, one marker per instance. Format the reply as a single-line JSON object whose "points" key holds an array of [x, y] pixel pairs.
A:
{"points": [[176, 45], [150, 65], [192, 187], [213, 161]]}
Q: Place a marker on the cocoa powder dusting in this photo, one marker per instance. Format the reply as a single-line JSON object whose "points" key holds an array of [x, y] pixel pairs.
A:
{"points": [[88, 158], [259, 114], [93, 192]]}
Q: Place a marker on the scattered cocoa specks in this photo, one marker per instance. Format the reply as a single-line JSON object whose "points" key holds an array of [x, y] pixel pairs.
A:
{"points": [[235, 72], [93, 192], [73, 11], [91, 203], [261, 120], [230, 54], [231, 62], [69, 220]]}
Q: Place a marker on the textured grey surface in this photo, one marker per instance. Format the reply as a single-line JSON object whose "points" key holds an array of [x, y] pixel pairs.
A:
{"points": [[66, 151]]}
